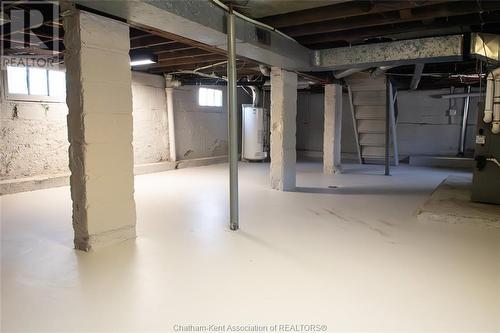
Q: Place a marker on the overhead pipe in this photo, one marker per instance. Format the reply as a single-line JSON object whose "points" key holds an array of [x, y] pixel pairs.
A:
{"points": [[256, 96], [380, 70], [347, 72], [494, 160], [265, 70], [170, 84]]}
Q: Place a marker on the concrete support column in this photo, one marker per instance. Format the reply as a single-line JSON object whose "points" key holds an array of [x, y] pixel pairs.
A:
{"points": [[283, 127], [171, 123], [333, 128], [99, 99]]}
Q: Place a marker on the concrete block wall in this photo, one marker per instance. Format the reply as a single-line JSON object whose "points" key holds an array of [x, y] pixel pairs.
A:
{"points": [[150, 118], [34, 137], [201, 131], [424, 128], [310, 124], [423, 125]]}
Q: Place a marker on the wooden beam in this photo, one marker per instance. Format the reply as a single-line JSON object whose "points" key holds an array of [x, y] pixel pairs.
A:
{"points": [[182, 40], [149, 41], [240, 64], [175, 47], [181, 54], [208, 59], [31, 50], [138, 34], [417, 14], [342, 10]]}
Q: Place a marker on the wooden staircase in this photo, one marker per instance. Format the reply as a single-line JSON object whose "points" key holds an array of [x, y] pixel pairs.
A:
{"points": [[368, 105]]}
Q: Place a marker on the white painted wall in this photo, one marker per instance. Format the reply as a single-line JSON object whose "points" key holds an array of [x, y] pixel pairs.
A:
{"points": [[310, 118], [34, 140], [423, 126], [150, 118], [201, 131]]}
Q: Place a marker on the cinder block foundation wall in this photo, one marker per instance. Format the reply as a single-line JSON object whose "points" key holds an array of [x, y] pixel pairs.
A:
{"points": [[150, 118], [34, 138], [423, 125], [310, 125], [201, 131]]}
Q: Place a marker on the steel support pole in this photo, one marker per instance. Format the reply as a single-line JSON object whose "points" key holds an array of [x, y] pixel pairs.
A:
{"points": [[232, 123], [388, 107], [463, 129]]}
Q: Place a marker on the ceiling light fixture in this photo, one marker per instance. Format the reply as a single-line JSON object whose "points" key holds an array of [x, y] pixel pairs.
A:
{"points": [[141, 62]]}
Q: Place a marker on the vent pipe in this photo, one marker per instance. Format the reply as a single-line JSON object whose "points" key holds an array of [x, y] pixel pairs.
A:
{"points": [[256, 96]]}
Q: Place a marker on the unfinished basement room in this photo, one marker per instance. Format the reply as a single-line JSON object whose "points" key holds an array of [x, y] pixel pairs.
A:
{"points": [[250, 166]]}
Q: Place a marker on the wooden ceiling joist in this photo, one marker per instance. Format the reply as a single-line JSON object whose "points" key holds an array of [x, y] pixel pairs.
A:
{"points": [[182, 40], [339, 11], [207, 59], [393, 17], [182, 54], [360, 35], [149, 41], [218, 66]]}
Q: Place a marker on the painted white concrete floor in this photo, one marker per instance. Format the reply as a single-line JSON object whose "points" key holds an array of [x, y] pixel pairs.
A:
{"points": [[353, 258]]}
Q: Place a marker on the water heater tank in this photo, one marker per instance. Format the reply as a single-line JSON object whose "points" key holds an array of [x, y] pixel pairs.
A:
{"points": [[253, 133]]}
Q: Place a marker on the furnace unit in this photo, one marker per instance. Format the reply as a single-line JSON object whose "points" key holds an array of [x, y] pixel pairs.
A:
{"points": [[486, 181]]}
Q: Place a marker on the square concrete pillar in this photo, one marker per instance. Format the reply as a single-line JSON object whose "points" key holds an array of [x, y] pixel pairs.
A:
{"points": [[99, 99], [283, 127], [333, 129]]}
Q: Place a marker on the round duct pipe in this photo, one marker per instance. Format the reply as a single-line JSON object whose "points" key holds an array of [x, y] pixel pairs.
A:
{"points": [[256, 96]]}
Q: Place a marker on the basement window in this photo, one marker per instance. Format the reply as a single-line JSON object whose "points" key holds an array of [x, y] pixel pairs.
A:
{"points": [[35, 84], [209, 97]]}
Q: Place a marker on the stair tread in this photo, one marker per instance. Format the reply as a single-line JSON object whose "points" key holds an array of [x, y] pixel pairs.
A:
{"points": [[369, 118], [372, 145]]}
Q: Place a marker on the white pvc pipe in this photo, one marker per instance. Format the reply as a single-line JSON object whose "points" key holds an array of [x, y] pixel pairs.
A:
{"points": [[495, 127], [494, 160], [488, 105]]}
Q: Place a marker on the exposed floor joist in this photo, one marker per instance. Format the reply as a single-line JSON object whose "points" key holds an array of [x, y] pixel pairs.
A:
{"points": [[339, 11]]}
